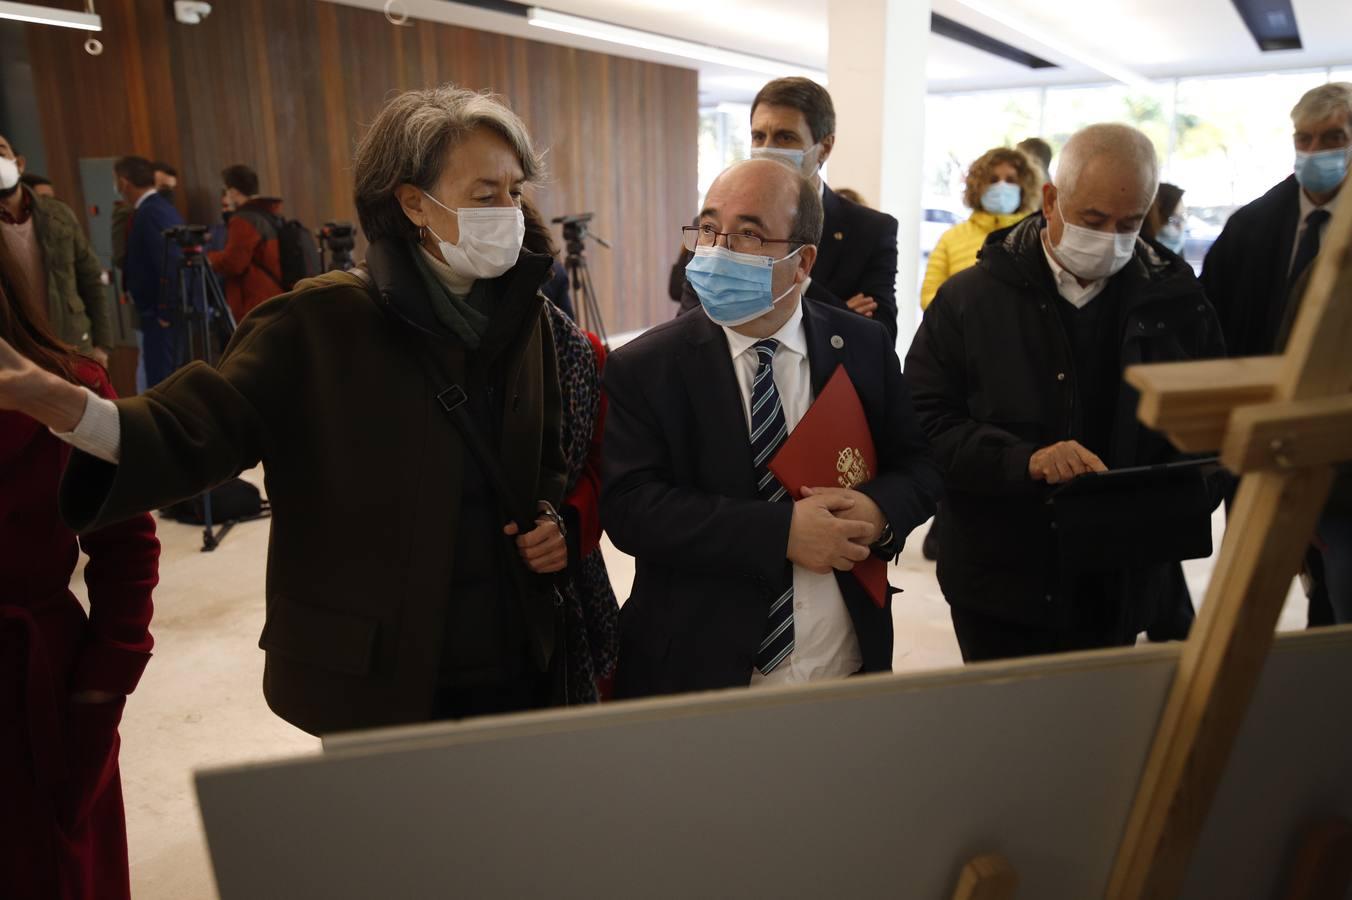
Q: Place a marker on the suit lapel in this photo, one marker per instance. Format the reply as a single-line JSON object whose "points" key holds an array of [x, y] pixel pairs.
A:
{"points": [[1289, 225], [833, 238], [823, 356], [722, 442]]}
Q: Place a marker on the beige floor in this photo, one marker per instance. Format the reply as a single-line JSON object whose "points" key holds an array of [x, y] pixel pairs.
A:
{"points": [[200, 703]]}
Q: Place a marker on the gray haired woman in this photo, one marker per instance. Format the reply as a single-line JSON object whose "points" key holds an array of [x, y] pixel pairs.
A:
{"points": [[397, 590]]}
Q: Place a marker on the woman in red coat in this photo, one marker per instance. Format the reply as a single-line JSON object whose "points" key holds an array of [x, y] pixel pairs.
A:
{"points": [[64, 675]]}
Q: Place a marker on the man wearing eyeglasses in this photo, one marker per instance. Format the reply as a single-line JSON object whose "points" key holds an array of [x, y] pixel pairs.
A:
{"points": [[737, 584], [794, 121]]}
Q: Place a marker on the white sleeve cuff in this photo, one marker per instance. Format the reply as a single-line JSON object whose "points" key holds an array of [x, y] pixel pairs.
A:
{"points": [[99, 432]]}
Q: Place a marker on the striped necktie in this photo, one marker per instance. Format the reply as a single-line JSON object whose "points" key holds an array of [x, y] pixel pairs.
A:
{"points": [[768, 432]]}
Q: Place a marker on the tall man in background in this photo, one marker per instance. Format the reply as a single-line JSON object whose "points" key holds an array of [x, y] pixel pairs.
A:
{"points": [[150, 270], [1266, 246], [793, 120], [1265, 250]]}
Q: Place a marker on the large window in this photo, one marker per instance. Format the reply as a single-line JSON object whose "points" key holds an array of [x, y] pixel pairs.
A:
{"points": [[960, 127], [1233, 135], [724, 138]]}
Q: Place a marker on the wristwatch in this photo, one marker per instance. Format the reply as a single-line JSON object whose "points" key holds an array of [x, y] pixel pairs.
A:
{"points": [[549, 512], [886, 541]]}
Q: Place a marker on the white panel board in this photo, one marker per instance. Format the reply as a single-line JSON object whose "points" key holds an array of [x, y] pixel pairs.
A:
{"points": [[870, 787]]}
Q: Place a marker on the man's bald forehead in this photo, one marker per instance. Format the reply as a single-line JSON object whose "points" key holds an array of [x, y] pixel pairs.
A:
{"points": [[764, 173]]}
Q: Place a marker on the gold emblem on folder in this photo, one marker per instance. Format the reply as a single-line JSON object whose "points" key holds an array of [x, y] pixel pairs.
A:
{"points": [[852, 468]]}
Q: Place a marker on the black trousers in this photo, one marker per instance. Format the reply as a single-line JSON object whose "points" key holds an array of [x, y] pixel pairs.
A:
{"points": [[983, 637]]}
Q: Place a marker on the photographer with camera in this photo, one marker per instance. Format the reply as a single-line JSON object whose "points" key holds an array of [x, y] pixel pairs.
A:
{"points": [[150, 271], [251, 263]]}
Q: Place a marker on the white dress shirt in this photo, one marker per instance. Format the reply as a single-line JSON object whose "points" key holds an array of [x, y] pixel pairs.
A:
{"points": [[1306, 207], [824, 642], [1067, 285]]}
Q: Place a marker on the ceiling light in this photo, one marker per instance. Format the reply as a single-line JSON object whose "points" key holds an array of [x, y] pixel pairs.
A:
{"points": [[1093, 60], [45, 15], [658, 43]]}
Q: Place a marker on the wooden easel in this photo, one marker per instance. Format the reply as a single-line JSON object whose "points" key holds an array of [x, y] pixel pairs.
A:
{"points": [[1282, 423]]}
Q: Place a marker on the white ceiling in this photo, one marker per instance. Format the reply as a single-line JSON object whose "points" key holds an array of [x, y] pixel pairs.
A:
{"points": [[1151, 38], [1155, 38]]}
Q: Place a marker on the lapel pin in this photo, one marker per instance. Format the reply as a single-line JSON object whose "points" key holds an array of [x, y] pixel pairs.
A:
{"points": [[837, 341], [839, 235]]}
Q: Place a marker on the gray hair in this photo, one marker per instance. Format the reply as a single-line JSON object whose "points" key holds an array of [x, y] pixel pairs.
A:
{"points": [[409, 143], [1323, 102], [1122, 144]]}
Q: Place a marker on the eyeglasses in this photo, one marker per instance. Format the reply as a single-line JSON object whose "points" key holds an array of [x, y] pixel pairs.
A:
{"points": [[693, 236]]}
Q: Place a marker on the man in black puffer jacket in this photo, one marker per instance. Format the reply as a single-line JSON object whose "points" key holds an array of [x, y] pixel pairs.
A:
{"points": [[1016, 375]]}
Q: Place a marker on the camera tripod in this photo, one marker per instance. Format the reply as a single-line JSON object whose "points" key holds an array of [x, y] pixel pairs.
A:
{"points": [[575, 234], [207, 325]]}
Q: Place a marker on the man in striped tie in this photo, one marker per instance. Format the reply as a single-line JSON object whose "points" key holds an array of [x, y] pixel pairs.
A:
{"points": [[737, 584]]}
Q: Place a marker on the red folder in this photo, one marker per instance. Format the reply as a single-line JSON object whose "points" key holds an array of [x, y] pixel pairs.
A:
{"points": [[832, 447]]}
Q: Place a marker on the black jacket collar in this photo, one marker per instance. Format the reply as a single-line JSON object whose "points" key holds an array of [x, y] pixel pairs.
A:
{"points": [[400, 289], [1015, 256]]}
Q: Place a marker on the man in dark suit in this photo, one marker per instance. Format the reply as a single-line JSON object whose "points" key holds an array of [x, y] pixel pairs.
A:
{"points": [[1267, 245], [793, 120], [735, 584], [150, 272]]}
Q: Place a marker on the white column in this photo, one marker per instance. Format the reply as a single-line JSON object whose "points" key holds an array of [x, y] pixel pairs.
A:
{"points": [[876, 67]]}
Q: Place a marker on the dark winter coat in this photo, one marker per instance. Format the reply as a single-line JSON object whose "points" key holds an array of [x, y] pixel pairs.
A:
{"points": [[327, 387], [993, 381]]}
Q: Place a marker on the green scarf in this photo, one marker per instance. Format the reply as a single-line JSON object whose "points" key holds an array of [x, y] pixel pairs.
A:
{"points": [[466, 317]]}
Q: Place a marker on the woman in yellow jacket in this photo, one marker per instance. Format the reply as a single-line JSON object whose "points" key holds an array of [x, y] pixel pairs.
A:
{"points": [[1003, 186]]}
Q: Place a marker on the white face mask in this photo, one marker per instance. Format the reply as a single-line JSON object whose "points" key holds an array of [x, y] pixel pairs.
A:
{"points": [[796, 159], [1093, 255], [9, 173], [490, 240]]}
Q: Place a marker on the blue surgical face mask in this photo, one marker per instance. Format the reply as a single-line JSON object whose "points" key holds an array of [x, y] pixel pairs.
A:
{"points": [[1322, 172], [734, 288], [1002, 198], [1171, 236]]}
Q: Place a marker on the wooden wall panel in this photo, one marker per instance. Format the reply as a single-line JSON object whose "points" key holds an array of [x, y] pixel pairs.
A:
{"points": [[117, 103], [288, 86]]}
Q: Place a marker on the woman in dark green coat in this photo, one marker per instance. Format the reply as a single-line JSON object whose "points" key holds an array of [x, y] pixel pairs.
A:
{"points": [[397, 591]]}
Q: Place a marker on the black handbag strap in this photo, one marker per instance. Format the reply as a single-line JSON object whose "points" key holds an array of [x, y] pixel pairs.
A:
{"points": [[453, 399]]}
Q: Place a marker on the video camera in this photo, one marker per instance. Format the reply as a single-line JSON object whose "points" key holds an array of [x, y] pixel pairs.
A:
{"points": [[576, 231], [190, 238], [576, 219], [338, 239]]}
